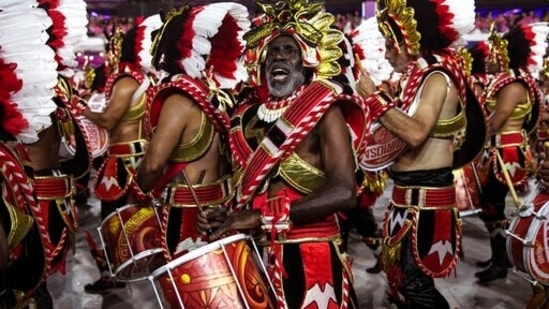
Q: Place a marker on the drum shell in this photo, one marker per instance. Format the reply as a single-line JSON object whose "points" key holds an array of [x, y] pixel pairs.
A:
{"points": [[532, 255], [132, 242], [223, 274]]}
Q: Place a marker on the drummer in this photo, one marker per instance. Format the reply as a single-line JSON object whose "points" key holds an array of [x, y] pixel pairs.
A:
{"points": [[417, 42], [125, 90], [293, 152], [512, 102], [187, 157]]}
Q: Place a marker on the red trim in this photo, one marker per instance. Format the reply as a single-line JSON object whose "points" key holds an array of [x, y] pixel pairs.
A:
{"points": [[427, 197]]}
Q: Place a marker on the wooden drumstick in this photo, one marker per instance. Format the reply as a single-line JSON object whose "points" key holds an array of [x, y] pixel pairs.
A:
{"points": [[546, 149], [195, 197], [505, 172]]}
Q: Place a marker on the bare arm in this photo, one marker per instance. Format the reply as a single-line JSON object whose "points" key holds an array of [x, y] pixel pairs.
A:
{"points": [[119, 102], [170, 128], [507, 99], [415, 130], [339, 190]]}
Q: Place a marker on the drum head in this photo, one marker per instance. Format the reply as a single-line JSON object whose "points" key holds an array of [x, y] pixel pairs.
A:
{"points": [[382, 147]]}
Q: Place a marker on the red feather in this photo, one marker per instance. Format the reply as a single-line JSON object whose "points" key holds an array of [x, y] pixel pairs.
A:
{"points": [[12, 119], [226, 49]]}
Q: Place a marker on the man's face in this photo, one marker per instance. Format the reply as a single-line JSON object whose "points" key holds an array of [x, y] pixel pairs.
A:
{"points": [[397, 56], [283, 66]]}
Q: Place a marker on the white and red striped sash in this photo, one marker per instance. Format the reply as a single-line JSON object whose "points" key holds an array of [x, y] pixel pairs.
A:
{"points": [[281, 139]]}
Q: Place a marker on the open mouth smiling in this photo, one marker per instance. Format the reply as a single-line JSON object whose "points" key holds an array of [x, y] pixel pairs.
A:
{"points": [[279, 74]]}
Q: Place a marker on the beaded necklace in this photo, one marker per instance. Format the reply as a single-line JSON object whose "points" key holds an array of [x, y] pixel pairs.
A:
{"points": [[271, 110]]}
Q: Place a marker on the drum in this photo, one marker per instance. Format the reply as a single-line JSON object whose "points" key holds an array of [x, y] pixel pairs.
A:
{"points": [[528, 239], [131, 239], [97, 139], [227, 273], [468, 190], [382, 147]]}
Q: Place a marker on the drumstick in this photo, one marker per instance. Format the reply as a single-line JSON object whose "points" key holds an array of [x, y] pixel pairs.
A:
{"points": [[195, 197], [193, 193], [505, 172]]}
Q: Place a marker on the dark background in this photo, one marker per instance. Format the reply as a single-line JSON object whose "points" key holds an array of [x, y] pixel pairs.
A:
{"points": [[149, 7]]}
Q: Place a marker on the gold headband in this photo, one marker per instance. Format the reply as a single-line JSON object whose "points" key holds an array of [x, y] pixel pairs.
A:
{"points": [[304, 20], [498, 48], [403, 18]]}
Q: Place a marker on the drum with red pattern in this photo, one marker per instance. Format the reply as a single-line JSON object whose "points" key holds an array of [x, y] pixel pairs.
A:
{"points": [[131, 239], [528, 239], [227, 273], [468, 190]]}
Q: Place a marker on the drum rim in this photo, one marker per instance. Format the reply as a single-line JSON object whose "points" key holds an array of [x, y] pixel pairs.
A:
{"points": [[197, 253], [528, 255], [136, 258], [117, 210]]}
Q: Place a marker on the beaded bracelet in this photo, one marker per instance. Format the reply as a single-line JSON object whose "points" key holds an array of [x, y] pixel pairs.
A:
{"points": [[379, 103]]}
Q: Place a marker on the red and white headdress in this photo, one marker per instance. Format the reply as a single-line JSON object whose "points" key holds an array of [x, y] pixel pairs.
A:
{"points": [[211, 42], [538, 46], [69, 29], [425, 24], [369, 48], [144, 41], [24, 51]]}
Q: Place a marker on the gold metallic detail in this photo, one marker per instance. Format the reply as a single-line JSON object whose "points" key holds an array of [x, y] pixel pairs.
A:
{"points": [[306, 21], [114, 52], [198, 145], [466, 60], [20, 224], [521, 111], [89, 74], [136, 111], [403, 17], [448, 128], [498, 48], [301, 175]]}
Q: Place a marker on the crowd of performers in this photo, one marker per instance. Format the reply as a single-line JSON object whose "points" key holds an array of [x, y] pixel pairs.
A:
{"points": [[233, 155]]}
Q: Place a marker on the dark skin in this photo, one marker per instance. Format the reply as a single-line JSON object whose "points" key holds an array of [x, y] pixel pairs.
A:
{"points": [[327, 147], [179, 123]]}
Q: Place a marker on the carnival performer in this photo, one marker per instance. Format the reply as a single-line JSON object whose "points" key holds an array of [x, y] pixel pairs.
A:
{"points": [[434, 116], [125, 90], [512, 101], [187, 162], [29, 73], [300, 110]]}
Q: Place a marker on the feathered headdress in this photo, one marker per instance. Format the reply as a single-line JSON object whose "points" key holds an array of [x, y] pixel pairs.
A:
{"points": [[538, 46], [425, 24], [308, 23], [24, 52], [208, 42], [68, 30], [369, 48], [143, 41]]}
